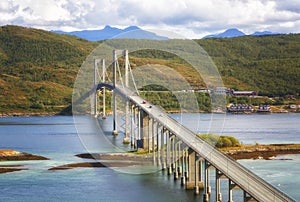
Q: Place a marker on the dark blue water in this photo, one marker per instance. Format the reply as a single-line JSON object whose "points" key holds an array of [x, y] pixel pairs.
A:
{"points": [[56, 137]]}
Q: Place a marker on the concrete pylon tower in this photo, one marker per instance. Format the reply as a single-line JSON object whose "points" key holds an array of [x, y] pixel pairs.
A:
{"points": [[95, 100]]}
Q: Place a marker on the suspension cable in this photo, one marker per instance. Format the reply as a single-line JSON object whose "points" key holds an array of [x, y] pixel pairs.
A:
{"points": [[120, 75], [133, 81]]}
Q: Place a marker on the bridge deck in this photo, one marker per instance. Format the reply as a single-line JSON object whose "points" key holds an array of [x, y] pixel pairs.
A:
{"points": [[244, 178]]}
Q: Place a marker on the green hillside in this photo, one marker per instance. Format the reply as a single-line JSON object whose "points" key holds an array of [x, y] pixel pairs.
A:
{"points": [[38, 68], [268, 64]]}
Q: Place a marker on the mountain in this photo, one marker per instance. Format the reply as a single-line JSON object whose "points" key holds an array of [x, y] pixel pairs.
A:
{"points": [[268, 64], [263, 33], [227, 34], [230, 33], [111, 32], [38, 68]]}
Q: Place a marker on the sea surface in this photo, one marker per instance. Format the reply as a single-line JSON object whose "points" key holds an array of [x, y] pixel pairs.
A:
{"points": [[58, 138]]}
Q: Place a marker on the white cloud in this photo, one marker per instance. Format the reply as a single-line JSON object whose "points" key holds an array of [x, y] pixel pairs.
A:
{"points": [[192, 18]]}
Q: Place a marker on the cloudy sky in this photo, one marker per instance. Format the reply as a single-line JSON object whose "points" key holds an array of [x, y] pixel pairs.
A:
{"points": [[190, 18]]}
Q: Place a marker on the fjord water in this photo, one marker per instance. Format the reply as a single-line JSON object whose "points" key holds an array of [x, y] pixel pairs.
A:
{"points": [[56, 138]]}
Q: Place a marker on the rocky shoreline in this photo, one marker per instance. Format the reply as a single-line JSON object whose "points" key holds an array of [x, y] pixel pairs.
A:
{"points": [[171, 111], [12, 155], [266, 152]]}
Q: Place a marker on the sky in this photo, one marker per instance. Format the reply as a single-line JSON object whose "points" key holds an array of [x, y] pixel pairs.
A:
{"points": [[189, 18]]}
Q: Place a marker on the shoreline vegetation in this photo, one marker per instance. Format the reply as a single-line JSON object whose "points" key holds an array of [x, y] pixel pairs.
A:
{"points": [[267, 152], [274, 110], [39, 69], [255, 152]]}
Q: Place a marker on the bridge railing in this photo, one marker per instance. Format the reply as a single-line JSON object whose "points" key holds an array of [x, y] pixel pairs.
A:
{"points": [[243, 177], [224, 163]]}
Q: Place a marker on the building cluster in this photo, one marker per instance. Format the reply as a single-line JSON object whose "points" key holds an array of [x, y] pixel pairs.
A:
{"points": [[248, 108], [240, 108]]}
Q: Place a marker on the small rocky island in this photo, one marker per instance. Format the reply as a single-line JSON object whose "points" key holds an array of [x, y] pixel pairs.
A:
{"points": [[12, 155]]}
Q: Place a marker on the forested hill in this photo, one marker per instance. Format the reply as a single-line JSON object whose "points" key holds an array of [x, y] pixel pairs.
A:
{"points": [[38, 68], [268, 64]]}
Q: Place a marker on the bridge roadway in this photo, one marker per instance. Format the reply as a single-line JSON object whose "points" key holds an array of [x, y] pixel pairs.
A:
{"points": [[244, 178]]}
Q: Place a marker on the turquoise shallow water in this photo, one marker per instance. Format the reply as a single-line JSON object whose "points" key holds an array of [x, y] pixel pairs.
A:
{"points": [[56, 137]]}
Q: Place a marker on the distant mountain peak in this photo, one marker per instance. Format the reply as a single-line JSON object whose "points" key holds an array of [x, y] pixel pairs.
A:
{"points": [[109, 32], [131, 28], [263, 33], [234, 32], [229, 33]]}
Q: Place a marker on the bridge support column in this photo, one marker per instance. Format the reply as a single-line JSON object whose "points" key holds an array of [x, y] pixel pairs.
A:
{"points": [[158, 144], [193, 172], [131, 112], [136, 126], [196, 187], [126, 139], [186, 173], [173, 157], [207, 187], [231, 187], [153, 135], [163, 153], [179, 158], [218, 190], [169, 147], [183, 165], [145, 129], [103, 91], [95, 112], [127, 116], [115, 129], [191, 169], [176, 162]]}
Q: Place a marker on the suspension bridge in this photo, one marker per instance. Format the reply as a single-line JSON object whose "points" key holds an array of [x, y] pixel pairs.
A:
{"points": [[174, 147]]}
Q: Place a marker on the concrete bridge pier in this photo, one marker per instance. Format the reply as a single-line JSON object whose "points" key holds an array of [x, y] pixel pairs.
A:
{"points": [[184, 170], [193, 181], [219, 175], [126, 139], [132, 126], [95, 112], [114, 69], [170, 138], [95, 96], [153, 137], [103, 94], [163, 153], [179, 158], [173, 153], [186, 173], [115, 124], [145, 130], [158, 144], [177, 169], [168, 153], [231, 186], [207, 188]]}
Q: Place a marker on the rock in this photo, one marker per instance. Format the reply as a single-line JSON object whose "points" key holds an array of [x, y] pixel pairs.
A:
{"points": [[12, 155]]}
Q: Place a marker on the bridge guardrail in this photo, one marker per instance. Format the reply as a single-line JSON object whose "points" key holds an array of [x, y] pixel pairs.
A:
{"points": [[252, 183]]}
